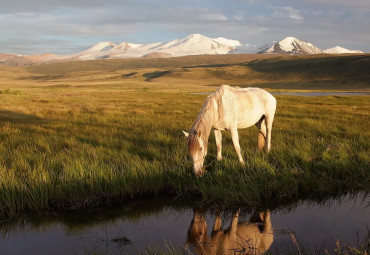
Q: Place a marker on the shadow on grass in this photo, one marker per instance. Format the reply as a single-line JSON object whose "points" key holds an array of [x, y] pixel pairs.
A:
{"points": [[47, 77], [19, 117], [156, 74], [127, 75], [350, 67]]}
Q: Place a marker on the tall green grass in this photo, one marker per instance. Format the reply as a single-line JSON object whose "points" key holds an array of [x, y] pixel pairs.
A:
{"points": [[80, 146]]}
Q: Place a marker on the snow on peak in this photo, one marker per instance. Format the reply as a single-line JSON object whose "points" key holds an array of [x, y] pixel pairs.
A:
{"points": [[197, 44], [194, 44], [289, 39], [225, 41], [292, 45], [340, 50], [267, 46], [102, 46], [288, 43], [195, 36]]}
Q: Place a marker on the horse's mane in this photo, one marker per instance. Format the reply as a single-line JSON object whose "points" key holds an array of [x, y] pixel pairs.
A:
{"points": [[203, 124]]}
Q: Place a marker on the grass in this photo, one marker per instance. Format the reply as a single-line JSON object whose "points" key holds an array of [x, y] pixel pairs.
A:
{"points": [[361, 248], [89, 137], [9, 91], [317, 72], [168, 249]]}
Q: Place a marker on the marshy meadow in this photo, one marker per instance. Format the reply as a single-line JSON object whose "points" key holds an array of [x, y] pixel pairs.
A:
{"points": [[93, 134]]}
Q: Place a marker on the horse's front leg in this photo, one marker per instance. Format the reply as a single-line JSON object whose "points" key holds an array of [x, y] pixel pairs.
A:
{"points": [[218, 137], [218, 224], [235, 138], [234, 225]]}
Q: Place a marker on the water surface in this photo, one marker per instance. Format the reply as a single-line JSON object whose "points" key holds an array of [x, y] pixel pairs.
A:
{"points": [[317, 94], [307, 94], [133, 227]]}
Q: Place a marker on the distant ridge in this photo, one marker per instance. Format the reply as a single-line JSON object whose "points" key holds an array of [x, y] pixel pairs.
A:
{"points": [[341, 50], [293, 46], [194, 44]]}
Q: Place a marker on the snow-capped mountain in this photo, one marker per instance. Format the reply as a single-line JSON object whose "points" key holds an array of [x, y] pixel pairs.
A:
{"points": [[195, 44], [294, 46], [340, 50], [225, 41], [266, 46]]}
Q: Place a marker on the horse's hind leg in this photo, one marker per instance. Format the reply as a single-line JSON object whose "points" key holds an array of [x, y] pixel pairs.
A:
{"points": [[218, 137], [235, 138], [261, 125], [269, 120]]}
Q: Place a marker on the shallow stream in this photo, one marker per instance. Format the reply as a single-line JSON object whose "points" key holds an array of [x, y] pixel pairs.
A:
{"points": [[307, 94], [163, 223], [318, 94]]}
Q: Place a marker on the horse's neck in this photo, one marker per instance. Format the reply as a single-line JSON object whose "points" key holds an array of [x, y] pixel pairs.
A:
{"points": [[205, 120]]}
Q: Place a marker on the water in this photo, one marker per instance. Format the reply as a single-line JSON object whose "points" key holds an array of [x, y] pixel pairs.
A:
{"points": [[133, 227], [317, 94], [308, 94]]}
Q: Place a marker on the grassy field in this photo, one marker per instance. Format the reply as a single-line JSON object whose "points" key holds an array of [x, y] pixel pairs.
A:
{"points": [[88, 133]]}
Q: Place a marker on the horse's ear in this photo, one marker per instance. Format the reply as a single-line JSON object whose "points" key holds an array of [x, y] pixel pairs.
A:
{"points": [[185, 133]]}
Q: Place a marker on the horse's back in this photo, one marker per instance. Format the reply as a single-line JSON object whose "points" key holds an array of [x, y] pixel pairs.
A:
{"points": [[247, 94], [258, 99], [242, 107]]}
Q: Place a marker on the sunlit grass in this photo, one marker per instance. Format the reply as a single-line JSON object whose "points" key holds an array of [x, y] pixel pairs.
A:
{"points": [[67, 142]]}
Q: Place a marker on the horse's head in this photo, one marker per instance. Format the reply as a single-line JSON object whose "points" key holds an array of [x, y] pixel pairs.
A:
{"points": [[197, 232], [197, 149]]}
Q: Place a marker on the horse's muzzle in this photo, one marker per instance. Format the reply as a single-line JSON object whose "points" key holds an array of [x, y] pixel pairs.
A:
{"points": [[198, 169]]}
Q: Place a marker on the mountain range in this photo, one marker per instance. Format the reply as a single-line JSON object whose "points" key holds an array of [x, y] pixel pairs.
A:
{"points": [[294, 46], [195, 44]]}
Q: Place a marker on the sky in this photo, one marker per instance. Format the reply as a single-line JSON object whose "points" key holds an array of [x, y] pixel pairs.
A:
{"points": [[69, 26]]}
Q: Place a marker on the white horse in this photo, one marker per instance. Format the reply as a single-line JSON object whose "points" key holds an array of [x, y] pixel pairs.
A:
{"points": [[253, 237], [231, 109]]}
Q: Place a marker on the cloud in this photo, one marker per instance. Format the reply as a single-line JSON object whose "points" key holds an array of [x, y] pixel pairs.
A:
{"points": [[214, 17], [287, 12], [58, 26]]}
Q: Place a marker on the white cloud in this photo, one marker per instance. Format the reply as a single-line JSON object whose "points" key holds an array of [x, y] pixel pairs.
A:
{"points": [[287, 11], [214, 17], [53, 25]]}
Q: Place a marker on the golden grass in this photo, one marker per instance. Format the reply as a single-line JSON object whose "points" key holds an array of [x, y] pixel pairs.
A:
{"points": [[78, 138]]}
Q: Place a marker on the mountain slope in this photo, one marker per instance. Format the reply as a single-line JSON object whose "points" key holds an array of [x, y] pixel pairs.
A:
{"points": [[340, 50], [293, 46], [195, 44], [266, 46]]}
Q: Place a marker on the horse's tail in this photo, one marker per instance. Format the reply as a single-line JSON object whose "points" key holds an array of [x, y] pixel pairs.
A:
{"points": [[261, 125], [261, 141]]}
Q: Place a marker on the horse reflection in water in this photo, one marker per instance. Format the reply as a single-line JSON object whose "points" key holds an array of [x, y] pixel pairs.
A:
{"points": [[253, 237]]}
